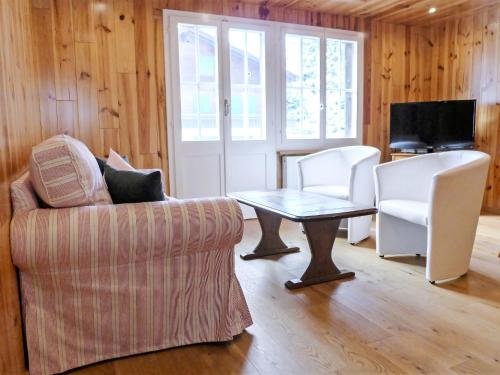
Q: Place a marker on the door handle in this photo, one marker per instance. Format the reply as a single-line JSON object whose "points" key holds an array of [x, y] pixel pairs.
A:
{"points": [[226, 107]]}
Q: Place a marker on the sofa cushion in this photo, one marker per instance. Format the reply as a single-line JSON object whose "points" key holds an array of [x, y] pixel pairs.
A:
{"points": [[133, 186], [117, 162], [64, 173], [412, 211]]}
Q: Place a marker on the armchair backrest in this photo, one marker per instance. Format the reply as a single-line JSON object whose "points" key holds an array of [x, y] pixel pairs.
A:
{"points": [[354, 154], [462, 178], [332, 166], [412, 178]]}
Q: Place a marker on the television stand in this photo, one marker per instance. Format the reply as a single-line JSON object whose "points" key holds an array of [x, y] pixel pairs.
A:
{"points": [[402, 155]]}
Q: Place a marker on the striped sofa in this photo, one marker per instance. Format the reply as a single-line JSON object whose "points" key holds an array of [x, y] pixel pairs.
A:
{"points": [[106, 281]]}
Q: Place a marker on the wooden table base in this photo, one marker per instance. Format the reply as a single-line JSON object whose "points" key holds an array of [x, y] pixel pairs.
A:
{"points": [[320, 236], [270, 242]]}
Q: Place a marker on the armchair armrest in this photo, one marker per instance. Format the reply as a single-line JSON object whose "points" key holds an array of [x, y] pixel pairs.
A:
{"points": [[93, 236], [361, 185], [455, 204], [456, 195], [314, 169], [407, 179]]}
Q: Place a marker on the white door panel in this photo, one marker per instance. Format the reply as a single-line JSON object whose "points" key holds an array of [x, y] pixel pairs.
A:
{"points": [[201, 176], [248, 122], [223, 107]]}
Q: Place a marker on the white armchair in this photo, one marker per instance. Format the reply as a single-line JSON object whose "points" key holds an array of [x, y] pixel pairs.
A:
{"points": [[430, 204], [344, 173]]}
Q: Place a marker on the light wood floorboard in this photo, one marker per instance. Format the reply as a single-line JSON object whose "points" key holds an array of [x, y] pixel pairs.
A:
{"points": [[388, 319]]}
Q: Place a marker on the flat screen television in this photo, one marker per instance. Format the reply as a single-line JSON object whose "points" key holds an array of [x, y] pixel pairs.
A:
{"points": [[433, 125]]}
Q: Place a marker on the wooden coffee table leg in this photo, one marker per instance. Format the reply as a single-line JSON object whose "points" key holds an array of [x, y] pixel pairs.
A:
{"points": [[270, 242], [321, 236]]}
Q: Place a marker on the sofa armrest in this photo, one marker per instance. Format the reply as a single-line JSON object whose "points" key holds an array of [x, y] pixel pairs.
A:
{"points": [[44, 240]]}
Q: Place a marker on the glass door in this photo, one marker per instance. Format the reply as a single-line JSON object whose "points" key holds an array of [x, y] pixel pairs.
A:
{"points": [[197, 102], [250, 160], [223, 133]]}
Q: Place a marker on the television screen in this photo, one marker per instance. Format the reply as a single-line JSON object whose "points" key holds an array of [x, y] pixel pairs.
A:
{"points": [[443, 124]]}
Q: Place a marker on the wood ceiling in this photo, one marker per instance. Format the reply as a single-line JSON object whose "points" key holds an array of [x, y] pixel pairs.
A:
{"points": [[411, 12]]}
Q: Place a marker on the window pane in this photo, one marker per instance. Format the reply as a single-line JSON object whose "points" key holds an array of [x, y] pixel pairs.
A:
{"points": [[236, 40], [247, 72], [293, 59], [294, 105], [302, 86], [209, 130], [255, 101], [199, 82], [335, 114], [310, 113], [187, 52], [341, 67], [208, 101], [207, 44], [189, 100], [333, 71]]}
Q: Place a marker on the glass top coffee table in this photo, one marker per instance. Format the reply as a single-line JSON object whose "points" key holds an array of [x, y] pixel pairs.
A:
{"points": [[320, 216]]}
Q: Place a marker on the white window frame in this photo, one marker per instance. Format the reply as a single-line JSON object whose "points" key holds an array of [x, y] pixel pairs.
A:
{"points": [[323, 34], [277, 77]]}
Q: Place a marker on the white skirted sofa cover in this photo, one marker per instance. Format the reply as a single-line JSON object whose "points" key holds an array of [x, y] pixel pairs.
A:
{"points": [[101, 281]]}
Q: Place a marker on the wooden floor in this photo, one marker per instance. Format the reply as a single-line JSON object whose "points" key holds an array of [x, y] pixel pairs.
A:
{"points": [[388, 319]]}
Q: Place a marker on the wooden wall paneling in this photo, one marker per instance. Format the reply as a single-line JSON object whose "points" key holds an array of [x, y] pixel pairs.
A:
{"points": [[67, 117], [161, 92], [87, 72], [464, 50], [442, 60], [452, 57], [125, 38], [428, 46], [106, 53], [386, 86], [20, 128], [371, 130], [413, 52], [367, 75], [64, 50], [490, 113], [435, 66], [43, 34], [129, 120], [83, 20], [479, 20], [110, 138], [146, 83]]}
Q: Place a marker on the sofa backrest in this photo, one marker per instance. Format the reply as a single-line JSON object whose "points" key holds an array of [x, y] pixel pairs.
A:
{"points": [[22, 194]]}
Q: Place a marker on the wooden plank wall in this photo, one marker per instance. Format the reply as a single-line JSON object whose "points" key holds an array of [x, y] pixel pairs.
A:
{"points": [[19, 131], [455, 59], [95, 69], [100, 65], [101, 68]]}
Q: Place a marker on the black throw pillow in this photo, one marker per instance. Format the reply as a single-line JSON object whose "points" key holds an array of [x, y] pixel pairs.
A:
{"points": [[133, 186], [101, 163]]}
